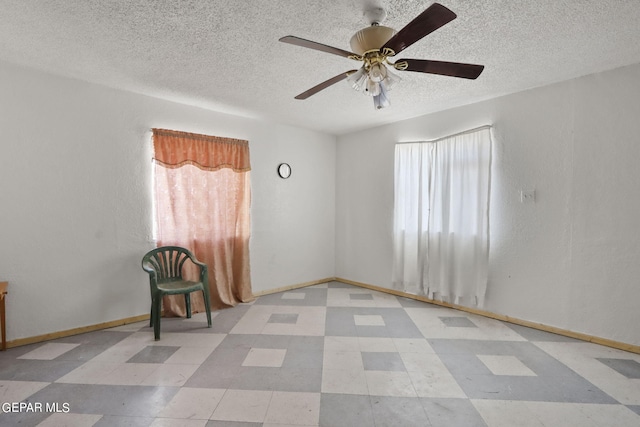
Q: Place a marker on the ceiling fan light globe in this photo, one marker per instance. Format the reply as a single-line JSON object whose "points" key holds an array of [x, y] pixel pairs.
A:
{"points": [[353, 77], [370, 38], [358, 80], [390, 80], [372, 88], [378, 72]]}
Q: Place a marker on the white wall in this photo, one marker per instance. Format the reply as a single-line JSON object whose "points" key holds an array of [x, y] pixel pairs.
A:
{"points": [[571, 259], [75, 199]]}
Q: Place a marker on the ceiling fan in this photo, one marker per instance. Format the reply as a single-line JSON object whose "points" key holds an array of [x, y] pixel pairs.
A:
{"points": [[375, 44]]}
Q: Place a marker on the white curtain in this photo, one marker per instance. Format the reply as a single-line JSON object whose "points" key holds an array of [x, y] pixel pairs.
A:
{"points": [[441, 217]]}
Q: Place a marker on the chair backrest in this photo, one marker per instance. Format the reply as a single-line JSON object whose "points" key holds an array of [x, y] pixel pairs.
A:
{"points": [[165, 263]]}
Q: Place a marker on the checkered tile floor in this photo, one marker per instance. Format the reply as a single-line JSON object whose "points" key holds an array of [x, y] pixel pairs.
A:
{"points": [[326, 355]]}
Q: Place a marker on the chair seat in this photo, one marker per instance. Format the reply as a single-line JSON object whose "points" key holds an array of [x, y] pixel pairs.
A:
{"points": [[179, 286]]}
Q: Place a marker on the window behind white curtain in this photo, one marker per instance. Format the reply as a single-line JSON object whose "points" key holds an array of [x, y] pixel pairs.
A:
{"points": [[441, 217]]}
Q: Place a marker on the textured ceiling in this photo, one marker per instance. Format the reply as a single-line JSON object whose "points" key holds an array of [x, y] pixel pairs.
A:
{"points": [[224, 54]]}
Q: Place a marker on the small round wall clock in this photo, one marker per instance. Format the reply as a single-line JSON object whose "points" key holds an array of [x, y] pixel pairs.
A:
{"points": [[284, 170]]}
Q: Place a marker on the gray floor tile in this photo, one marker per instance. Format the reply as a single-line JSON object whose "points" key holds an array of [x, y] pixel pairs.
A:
{"points": [[311, 297], [634, 408], [291, 318], [212, 375], [83, 352], [301, 369], [178, 324], [554, 382], [280, 379], [344, 410], [398, 411], [452, 413], [381, 361], [219, 370], [271, 341], [130, 401], [397, 324], [627, 367], [361, 297], [153, 354], [36, 370], [307, 343], [569, 389], [457, 322], [303, 358], [22, 418], [227, 318]]}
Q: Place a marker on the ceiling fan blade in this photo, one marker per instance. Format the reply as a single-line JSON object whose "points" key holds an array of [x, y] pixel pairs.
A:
{"points": [[317, 46], [325, 84], [453, 69], [434, 17]]}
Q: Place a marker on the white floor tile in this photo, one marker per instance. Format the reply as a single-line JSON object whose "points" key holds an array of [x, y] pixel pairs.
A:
{"points": [[189, 356], [193, 403], [294, 408], [368, 320], [17, 391], [49, 351], [243, 406], [168, 422], [507, 413], [344, 381], [341, 344], [506, 365], [413, 345], [129, 374], [75, 420], [389, 383], [431, 326], [343, 360], [371, 345], [265, 357], [169, 375], [89, 373], [436, 385]]}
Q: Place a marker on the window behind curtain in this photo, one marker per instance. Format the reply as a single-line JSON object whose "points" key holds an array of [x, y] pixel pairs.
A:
{"points": [[202, 202], [441, 217]]}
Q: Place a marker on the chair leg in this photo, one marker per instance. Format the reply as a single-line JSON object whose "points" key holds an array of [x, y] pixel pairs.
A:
{"points": [[151, 314], [155, 313], [207, 306], [187, 304]]}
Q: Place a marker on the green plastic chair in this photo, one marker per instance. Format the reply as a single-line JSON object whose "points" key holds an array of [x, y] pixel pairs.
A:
{"points": [[164, 265]]}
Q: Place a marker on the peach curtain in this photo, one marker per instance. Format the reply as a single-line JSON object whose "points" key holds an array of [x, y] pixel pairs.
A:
{"points": [[203, 198]]}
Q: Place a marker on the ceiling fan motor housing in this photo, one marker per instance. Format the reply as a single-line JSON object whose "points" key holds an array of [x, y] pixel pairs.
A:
{"points": [[370, 38]]}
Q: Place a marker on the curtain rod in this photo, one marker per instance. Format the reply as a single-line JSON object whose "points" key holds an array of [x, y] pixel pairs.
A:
{"points": [[450, 136]]}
